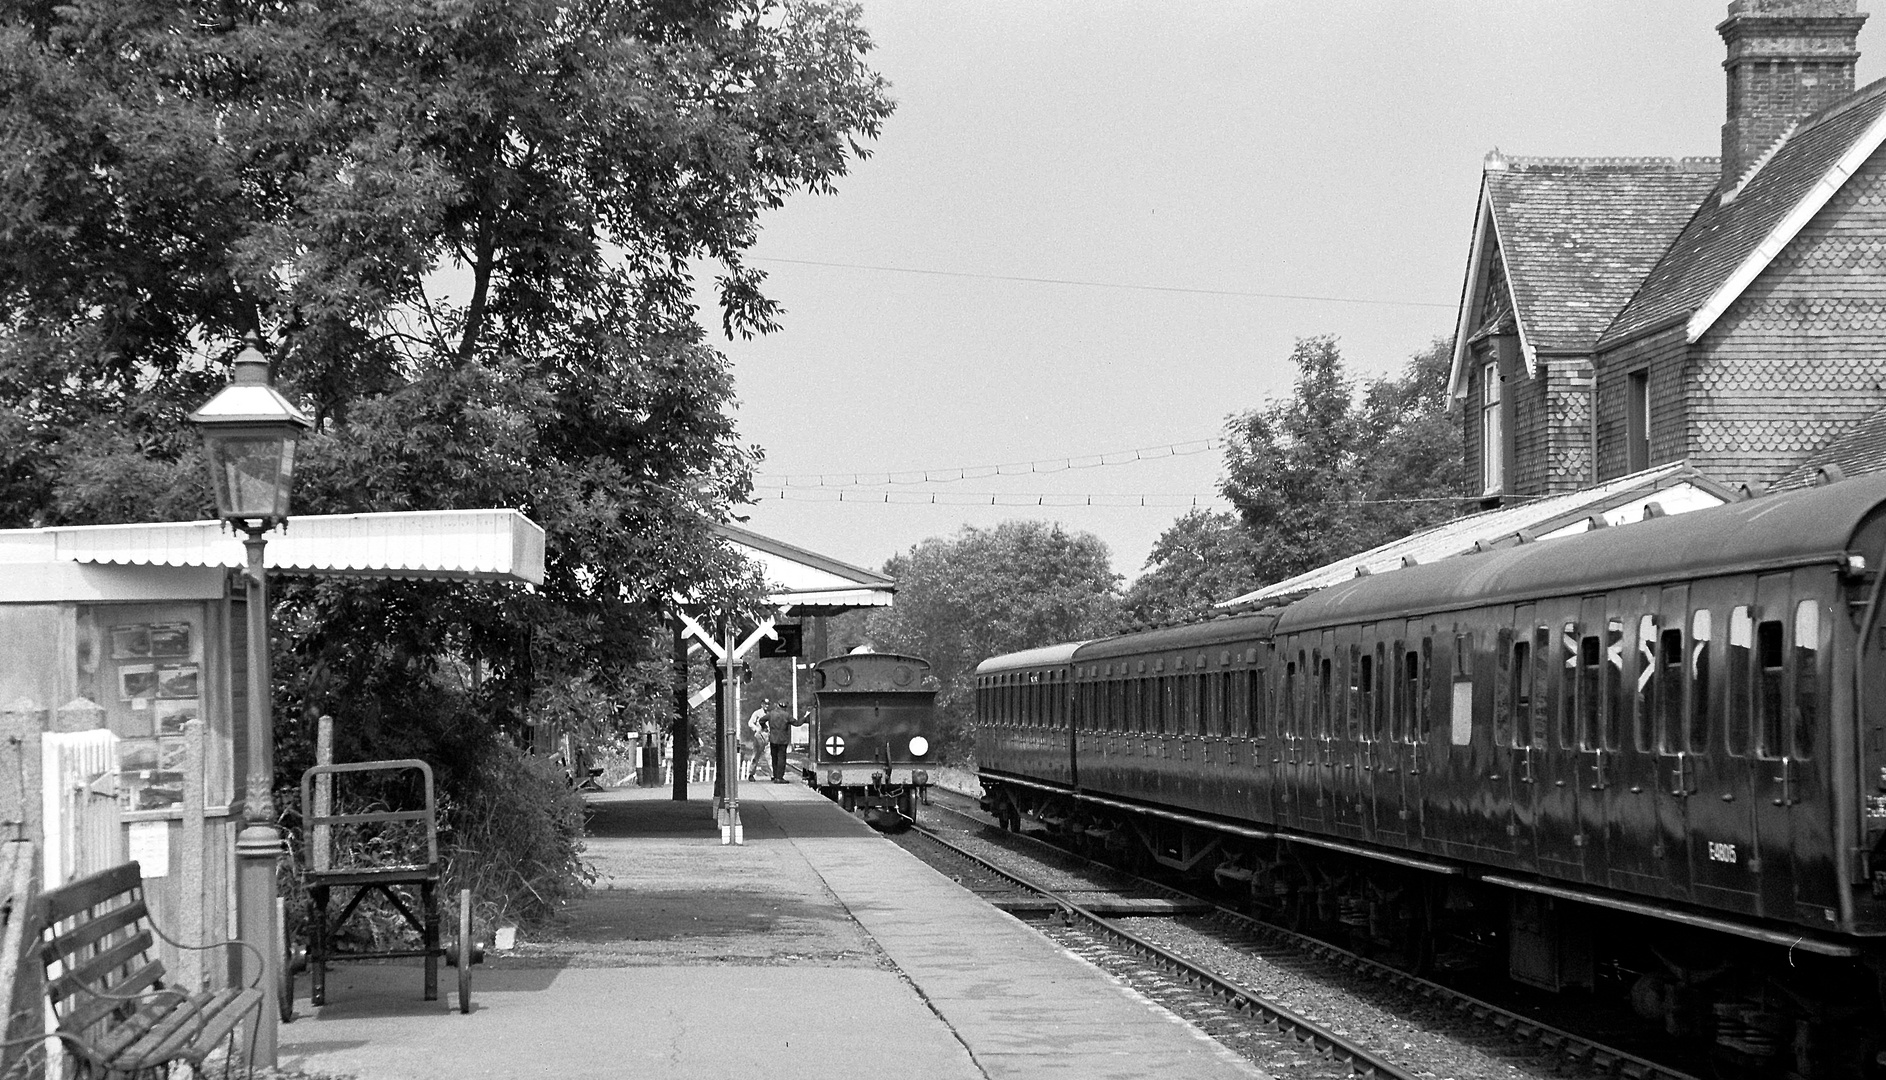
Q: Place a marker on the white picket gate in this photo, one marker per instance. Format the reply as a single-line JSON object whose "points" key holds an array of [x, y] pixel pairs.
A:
{"points": [[79, 771]]}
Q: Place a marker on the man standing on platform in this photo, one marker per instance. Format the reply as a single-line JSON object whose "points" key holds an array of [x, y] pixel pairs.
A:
{"points": [[756, 738], [779, 730]]}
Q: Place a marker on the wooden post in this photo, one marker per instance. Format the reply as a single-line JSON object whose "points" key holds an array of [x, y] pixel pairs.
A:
{"points": [[680, 750], [21, 725], [189, 888], [320, 843]]}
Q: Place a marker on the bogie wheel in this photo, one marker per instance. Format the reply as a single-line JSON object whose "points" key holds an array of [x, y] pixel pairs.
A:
{"points": [[464, 950]]}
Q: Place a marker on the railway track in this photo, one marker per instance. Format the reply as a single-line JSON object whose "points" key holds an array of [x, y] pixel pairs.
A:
{"points": [[1196, 958]]}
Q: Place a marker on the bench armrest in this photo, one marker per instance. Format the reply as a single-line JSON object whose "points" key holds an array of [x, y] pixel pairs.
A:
{"points": [[238, 942]]}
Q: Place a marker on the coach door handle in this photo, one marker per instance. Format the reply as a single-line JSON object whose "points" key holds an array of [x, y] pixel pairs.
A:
{"points": [[1599, 780], [1786, 781], [1527, 765], [1680, 776]]}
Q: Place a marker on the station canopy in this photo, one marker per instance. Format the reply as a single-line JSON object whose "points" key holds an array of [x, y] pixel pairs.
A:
{"points": [[807, 583], [432, 545], [1675, 488]]}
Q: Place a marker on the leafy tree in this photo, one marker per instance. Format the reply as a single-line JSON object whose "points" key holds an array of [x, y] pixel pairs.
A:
{"points": [[1330, 471], [984, 592], [468, 229], [1204, 557]]}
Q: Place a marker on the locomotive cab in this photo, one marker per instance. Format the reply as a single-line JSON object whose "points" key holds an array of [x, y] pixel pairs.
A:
{"points": [[874, 738]]}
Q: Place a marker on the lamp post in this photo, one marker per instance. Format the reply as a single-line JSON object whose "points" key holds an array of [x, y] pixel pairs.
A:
{"points": [[249, 433]]}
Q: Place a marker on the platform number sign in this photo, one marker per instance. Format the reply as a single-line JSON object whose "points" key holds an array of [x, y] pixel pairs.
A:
{"points": [[835, 746]]}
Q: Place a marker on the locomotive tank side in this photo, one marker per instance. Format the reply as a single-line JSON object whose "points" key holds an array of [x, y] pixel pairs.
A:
{"points": [[874, 738]]}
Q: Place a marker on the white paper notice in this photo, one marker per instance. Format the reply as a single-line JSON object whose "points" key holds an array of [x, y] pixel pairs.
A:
{"points": [[150, 846]]}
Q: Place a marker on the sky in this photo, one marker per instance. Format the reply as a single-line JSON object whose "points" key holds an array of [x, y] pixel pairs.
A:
{"points": [[1093, 230]]}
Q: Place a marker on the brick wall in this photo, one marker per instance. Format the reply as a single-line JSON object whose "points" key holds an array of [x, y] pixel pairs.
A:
{"points": [[1663, 354], [1801, 355], [1567, 463]]}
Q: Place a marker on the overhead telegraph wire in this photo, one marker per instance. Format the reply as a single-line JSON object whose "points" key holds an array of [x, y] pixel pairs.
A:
{"points": [[977, 472], [1107, 284]]}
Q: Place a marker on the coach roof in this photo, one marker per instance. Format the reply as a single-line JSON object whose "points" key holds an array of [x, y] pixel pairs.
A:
{"points": [[1789, 528]]}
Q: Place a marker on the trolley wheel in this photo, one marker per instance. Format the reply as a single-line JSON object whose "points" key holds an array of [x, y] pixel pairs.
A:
{"points": [[464, 950]]}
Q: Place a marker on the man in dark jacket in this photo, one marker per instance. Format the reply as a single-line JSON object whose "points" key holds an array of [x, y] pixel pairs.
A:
{"points": [[779, 731]]}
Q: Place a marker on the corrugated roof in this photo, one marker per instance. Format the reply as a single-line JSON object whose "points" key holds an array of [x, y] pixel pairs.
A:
{"points": [[1862, 449], [1723, 236], [1579, 235], [808, 582], [1675, 487], [452, 545]]}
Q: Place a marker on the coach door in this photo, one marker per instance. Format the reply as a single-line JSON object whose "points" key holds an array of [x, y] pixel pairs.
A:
{"points": [[1721, 803], [1634, 842], [1343, 766], [1798, 878]]}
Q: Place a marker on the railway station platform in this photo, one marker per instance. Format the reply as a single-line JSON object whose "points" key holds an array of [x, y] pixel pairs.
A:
{"points": [[816, 949]]}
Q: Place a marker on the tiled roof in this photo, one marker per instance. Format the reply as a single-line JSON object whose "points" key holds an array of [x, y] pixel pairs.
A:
{"points": [[1861, 450], [1723, 236], [1579, 234], [1675, 487]]}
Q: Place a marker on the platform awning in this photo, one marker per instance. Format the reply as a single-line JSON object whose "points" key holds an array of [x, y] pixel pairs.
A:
{"points": [[435, 545], [1676, 488], [807, 583]]}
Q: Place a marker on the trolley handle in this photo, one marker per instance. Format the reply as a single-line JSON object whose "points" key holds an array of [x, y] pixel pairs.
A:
{"points": [[429, 815]]}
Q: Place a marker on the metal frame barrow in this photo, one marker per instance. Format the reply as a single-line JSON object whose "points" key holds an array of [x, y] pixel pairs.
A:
{"points": [[411, 888]]}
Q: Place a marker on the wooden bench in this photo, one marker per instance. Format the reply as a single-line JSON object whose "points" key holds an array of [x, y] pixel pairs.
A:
{"points": [[115, 1013]]}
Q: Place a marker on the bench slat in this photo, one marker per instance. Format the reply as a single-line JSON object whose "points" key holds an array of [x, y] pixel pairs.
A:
{"points": [[89, 1009], [91, 931], [96, 971], [73, 898], [192, 1032]]}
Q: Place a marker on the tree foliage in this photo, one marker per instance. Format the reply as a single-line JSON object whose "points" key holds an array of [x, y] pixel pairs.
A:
{"points": [[1332, 471], [468, 230], [984, 592], [1204, 557]]}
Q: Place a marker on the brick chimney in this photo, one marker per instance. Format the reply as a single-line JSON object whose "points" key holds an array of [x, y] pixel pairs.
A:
{"points": [[1787, 59]]}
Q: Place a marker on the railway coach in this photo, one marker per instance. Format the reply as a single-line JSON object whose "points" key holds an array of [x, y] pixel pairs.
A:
{"points": [[1648, 758]]}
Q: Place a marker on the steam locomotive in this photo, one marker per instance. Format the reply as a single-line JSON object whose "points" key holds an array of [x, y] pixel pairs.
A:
{"points": [[874, 738], [1648, 759]]}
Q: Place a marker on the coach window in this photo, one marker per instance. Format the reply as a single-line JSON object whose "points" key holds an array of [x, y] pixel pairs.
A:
{"points": [[1643, 712], [1568, 686], [1670, 691], [1321, 723], [1768, 699], [1256, 697], [1590, 696], [1701, 633], [1614, 704], [1217, 703], [1401, 694], [1807, 639], [1353, 703], [1522, 693], [1423, 719], [1232, 706], [1384, 692], [1503, 686], [1287, 704], [1737, 723], [1540, 717]]}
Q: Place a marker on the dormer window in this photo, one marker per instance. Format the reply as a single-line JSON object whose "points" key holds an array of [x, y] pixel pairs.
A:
{"points": [[1492, 431]]}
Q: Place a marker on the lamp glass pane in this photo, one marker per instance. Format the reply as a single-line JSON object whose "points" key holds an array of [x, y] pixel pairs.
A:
{"points": [[247, 474]]}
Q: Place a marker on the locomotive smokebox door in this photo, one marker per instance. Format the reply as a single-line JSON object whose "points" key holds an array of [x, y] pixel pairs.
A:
{"points": [[875, 742]]}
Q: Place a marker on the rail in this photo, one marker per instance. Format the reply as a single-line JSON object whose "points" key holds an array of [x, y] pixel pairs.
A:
{"points": [[1361, 1060]]}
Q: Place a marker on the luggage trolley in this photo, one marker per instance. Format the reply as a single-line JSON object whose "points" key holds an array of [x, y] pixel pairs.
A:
{"points": [[386, 880]]}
